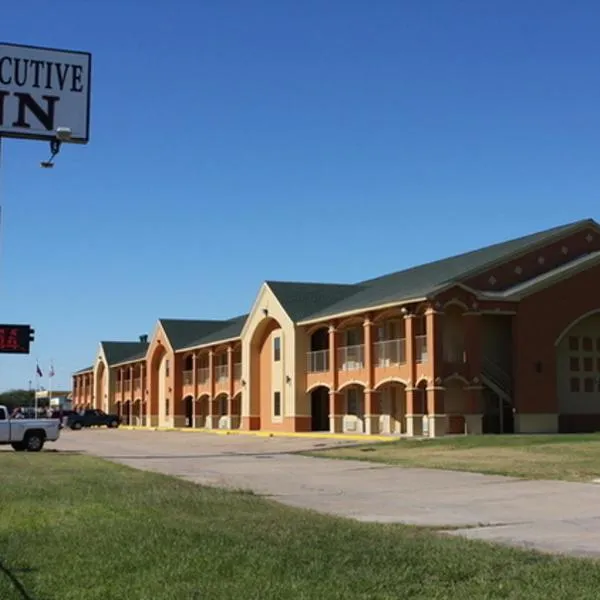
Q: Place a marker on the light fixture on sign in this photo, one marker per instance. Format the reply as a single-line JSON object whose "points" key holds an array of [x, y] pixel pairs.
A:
{"points": [[45, 95]]}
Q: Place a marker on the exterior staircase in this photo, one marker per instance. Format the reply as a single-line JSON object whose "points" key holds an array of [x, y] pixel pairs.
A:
{"points": [[497, 379]]}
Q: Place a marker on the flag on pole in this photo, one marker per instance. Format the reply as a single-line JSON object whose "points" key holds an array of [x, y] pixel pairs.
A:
{"points": [[38, 371], [51, 372]]}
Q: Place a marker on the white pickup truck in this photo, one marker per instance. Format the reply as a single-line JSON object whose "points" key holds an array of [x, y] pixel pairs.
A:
{"points": [[27, 434]]}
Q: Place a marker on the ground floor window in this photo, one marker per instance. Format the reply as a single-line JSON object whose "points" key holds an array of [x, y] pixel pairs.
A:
{"points": [[277, 404]]}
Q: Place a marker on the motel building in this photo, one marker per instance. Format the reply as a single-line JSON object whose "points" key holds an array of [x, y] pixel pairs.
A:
{"points": [[501, 339]]}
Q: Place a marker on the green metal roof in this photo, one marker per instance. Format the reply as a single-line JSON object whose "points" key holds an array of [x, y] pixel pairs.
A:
{"points": [[303, 299], [419, 281], [119, 352], [314, 301], [229, 330], [181, 333], [86, 370]]}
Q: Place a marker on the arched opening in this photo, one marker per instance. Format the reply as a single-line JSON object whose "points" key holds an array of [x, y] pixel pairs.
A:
{"points": [[319, 409], [236, 411], [578, 376], [392, 407], [266, 375], [354, 414], [453, 334], [137, 419], [420, 409], [188, 403], [222, 411], [318, 356], [127, 412], [159, 373], [99, 400], [202, 408]]}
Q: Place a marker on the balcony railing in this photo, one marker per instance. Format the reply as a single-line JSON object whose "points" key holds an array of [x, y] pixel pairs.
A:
{"points": [[421, 348], [317, 361], [203, 375], [237, 371], [390, 352], [221, 372], [127, 385], [118, 387], [137, 383], [188, 377], [351, 358]]}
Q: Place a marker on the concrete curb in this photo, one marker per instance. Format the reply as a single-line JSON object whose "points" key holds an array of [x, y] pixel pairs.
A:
{"points": [[332, 436]]}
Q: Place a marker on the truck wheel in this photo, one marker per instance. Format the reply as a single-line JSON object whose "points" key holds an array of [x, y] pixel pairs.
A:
{"points": [[76, 426], [18, 446], [34, 442], [113, 424]]}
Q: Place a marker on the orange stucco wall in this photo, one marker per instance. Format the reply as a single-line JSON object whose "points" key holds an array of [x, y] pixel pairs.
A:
{"points": [[264, 386]]}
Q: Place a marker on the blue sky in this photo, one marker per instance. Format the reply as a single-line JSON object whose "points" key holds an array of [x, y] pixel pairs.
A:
{"points": [[236, 141]]}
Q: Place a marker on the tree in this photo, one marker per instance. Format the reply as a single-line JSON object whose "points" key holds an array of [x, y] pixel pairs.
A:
{"points": [[13, 398]]}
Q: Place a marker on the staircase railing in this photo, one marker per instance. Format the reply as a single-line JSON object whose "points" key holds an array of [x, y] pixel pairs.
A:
{"points": [[498, 376]]}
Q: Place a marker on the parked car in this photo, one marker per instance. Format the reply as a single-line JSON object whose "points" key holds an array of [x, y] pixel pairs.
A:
{"points": [[62, 416], [93, 418], [26, 434]]}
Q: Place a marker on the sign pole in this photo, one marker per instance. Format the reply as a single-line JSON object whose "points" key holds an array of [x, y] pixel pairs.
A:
{"points": [[1, 195]]}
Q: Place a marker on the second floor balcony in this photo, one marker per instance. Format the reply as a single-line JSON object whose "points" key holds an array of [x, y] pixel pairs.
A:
{"points": [[317, 361], [389, 353], [421, 354], [203, 375], [188, 377], [221, 373], [351, 358], [386, 353]]}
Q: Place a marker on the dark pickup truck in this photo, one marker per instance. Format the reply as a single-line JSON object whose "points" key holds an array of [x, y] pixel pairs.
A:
{"points": [[92, 418]]}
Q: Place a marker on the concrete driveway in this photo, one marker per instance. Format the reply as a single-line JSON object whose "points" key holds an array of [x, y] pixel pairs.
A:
{"points": [[547, 515]]}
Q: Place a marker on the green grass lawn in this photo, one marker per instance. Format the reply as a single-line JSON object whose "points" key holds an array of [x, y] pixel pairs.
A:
{"points": [[73, 527], [567, 457]]}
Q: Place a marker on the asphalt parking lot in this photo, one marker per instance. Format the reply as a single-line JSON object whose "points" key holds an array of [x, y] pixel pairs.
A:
{"points": [[549, 515]]}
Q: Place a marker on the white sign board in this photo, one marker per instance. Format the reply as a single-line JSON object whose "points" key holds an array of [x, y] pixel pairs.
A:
{"points": [[42, 89]]}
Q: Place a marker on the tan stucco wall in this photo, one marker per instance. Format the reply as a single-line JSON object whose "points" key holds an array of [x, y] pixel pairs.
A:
{"points": [[255, 327], [158, 349], [269, 377], [102, 389]]}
